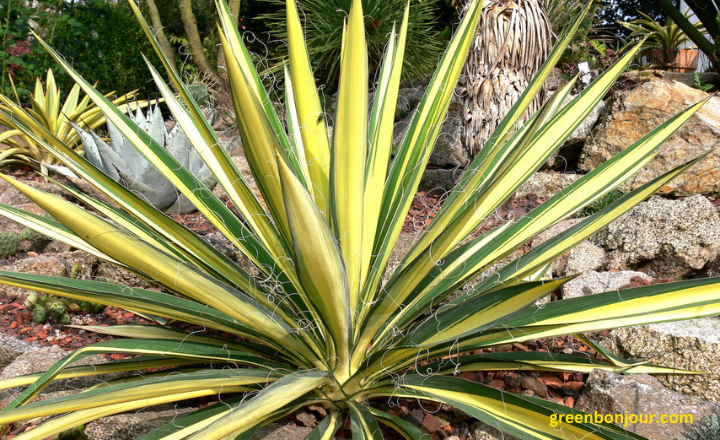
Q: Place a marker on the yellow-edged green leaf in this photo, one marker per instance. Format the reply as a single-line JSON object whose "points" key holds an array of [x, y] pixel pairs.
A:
{"points": [[168, 270], [380, 134], [282, 392], [347, 169], [414, 152], [362, 423], [325, 430], [517, 415], [546, 252], [310, 114], [319, 264]]}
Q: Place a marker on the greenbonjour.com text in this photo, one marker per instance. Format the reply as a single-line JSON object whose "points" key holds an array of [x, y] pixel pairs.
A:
{"points": [[619, 419]]}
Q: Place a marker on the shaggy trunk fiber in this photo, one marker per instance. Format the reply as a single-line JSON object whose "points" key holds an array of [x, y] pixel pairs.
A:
{"points": [[512, 41]]}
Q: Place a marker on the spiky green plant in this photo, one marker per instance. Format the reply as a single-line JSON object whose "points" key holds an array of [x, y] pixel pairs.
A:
{"points": [[317, 325], [125, 164], [324, 21], [667, 40], [56, 116], [707, 429], [9, 243]]}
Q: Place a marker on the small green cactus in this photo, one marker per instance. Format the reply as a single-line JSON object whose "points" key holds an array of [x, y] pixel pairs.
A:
{"points": [[9, 244], [77, 433], [707, 429], [46, 307], [10, 241], [32, 235]]}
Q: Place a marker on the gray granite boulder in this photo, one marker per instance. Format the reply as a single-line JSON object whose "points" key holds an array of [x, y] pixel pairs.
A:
{"points": [[690, 345], [609, 393], [664, 238], [592, 282], [634, 112]]}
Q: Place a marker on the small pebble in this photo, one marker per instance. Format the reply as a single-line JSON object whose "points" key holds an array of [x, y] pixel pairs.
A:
{"points": [[568, 350]]}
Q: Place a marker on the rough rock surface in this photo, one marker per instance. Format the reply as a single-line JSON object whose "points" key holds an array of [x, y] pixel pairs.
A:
{"points": [[690, 345], [554, 230], [448, 158], [664, 238], [636, 111], [545, 184], [275, 431], [483, 431], [52, 265], [641, 76], [592, 282], [641, 394], [11, 348], [566, 158], [403, 245], [584, 257], [133, 425]]}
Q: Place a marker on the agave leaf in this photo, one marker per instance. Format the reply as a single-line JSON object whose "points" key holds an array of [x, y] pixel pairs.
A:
{"points": [[77, 418], [632, 367], [310, 114], [140, 300], [546, 252], [405, 428], [206, 382], [363, 424], [516, 169], [407, 169], [319, 264], [380, 134], [281, 393], [479, 313], [194, 190], [326, 428], [231, 181], [347, 167], [641, 305], [505, 410], [52, 229], [186, 350], [543, 361], [121, 366], [474, 175], [429, 279], [167, 269]]}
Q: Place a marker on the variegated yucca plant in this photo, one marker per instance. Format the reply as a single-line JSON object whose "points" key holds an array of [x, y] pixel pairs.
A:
{"points": [[317, 324]]}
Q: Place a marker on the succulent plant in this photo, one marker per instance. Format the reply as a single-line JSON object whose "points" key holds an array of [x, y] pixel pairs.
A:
{"points": [[51, 118], [707, 429], [9, 244], [10, 241], [45, 307], [124, 164]]}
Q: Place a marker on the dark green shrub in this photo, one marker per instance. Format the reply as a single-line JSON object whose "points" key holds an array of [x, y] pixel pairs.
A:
{"points": [[324, 24], [104, 41]]}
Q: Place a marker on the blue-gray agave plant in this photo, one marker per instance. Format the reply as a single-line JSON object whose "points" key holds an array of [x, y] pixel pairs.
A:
{"points": [[121, 161]]}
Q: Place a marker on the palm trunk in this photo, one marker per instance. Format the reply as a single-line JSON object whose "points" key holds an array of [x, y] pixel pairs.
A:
{"points": [[195, 42], [159, 33], [511, 43]]}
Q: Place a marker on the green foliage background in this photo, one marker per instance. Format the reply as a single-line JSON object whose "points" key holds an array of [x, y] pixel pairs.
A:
{"points": [[105, 42], [323, 20]]}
